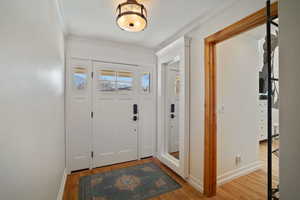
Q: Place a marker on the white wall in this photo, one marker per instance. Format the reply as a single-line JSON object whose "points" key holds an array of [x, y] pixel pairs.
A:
{"points": [[239, 10], [238, 121], [109, 51], [289, 43], [32, 149]]}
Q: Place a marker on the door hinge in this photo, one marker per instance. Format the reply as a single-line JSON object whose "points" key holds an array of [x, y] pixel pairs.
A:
{"points": [[92, 75], [92, 154], [92, 114]]}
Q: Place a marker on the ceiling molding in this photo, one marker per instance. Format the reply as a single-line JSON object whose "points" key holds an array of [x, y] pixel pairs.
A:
{"points": [[100, 41], [61, 17], [195, 24]]}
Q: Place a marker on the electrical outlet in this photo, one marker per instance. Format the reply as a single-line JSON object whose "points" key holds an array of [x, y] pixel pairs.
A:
{"points": [[238, 159]]}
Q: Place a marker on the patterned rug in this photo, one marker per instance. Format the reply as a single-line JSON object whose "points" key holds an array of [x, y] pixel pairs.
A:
{"points": [[133, 183]]}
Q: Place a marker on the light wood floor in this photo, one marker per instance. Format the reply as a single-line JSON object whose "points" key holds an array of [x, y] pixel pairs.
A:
{"points": [[275, 161], [250, 187]]}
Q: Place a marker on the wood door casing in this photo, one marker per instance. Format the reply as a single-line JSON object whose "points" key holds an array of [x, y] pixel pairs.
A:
{"points": [[210, 147]]}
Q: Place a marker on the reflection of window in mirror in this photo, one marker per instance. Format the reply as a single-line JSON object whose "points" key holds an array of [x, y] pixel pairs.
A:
{"points": [[79, 78], [124, 81], [106, 80], [145, 82]]}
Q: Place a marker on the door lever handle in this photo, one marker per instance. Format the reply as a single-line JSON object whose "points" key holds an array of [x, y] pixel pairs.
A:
{"points": [[135, 109], [172, 108]]}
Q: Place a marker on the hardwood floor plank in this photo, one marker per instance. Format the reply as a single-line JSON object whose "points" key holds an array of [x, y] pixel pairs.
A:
{"points": [[250, 187]]}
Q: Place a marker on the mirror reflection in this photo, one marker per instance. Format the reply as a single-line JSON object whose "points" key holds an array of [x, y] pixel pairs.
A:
{"points": [[172, 106]]}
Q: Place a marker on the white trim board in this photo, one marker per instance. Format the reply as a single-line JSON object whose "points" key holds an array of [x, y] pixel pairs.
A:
{"points": [[61, 16], [195, 183], [236, 173], [62, 186], [177, 51]]}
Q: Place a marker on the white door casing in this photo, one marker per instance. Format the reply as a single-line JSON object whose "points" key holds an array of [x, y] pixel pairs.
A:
{"points": [[86, 139], [178, 51]]}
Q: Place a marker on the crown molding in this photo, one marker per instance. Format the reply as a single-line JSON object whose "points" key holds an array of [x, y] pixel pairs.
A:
{"points": [[61, 17], [108, 41]]}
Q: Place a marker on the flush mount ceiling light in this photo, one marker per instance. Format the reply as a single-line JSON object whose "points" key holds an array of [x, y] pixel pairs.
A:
{"points": [[132, 16]]}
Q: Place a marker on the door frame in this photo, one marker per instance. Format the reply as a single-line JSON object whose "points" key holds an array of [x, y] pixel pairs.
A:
{"points": [[88, 62], [177, 51], [210, 136]]}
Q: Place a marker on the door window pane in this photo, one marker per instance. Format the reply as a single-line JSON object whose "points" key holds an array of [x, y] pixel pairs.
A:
{"points": [[107, 75], [125, 77], [124, 81], [79, 78], [106, 80], [123, 86], [145, 82]]}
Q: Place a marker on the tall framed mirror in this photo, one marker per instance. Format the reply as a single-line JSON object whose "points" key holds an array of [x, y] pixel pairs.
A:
{"points": [[173, 106]]}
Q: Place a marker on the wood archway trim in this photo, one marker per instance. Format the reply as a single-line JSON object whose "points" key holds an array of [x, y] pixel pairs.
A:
{"points": [[210, 150]]}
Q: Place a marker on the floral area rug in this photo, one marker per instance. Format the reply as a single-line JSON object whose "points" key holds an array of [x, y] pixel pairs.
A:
{"points": [[133, 183]]}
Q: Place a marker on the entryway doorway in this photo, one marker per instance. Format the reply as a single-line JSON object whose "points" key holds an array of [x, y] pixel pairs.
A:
{"points": [[110, 113], [210, 156]]}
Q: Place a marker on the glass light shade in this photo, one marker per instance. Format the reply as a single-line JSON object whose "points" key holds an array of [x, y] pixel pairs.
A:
{"points": [[132, 16]]}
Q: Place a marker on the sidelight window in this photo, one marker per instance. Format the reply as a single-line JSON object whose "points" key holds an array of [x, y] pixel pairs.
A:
{"points": [[79, 78], [145, 82]]}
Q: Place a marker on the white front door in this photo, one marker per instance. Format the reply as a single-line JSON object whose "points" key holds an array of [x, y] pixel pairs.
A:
{"points": [[172, 94], [115, 114]]}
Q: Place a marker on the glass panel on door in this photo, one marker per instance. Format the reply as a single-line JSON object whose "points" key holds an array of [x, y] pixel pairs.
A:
{"points": [[145, 82], [106, 80], [79, 78], [125, 81]]}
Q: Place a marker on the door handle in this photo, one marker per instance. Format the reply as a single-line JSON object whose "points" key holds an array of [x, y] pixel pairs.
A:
{"points": [[172, 108], [172, 116], [135, 109], [135, 112]]}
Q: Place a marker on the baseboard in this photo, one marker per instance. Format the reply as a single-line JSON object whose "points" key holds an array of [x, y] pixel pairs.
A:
{"points": [[62, 186], [195, 183], [229, 176]]}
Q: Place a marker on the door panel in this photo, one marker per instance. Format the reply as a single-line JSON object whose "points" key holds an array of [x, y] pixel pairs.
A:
{"points": [[147, 113], [115, 133], [78, 115]]}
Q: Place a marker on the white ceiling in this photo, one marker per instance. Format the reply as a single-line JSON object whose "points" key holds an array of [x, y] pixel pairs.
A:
{"points": [[96, 19]]}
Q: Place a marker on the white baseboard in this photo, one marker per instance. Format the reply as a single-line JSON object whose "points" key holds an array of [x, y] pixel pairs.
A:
{"points": [[62, 186], [229, 176], [195, 183]]}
